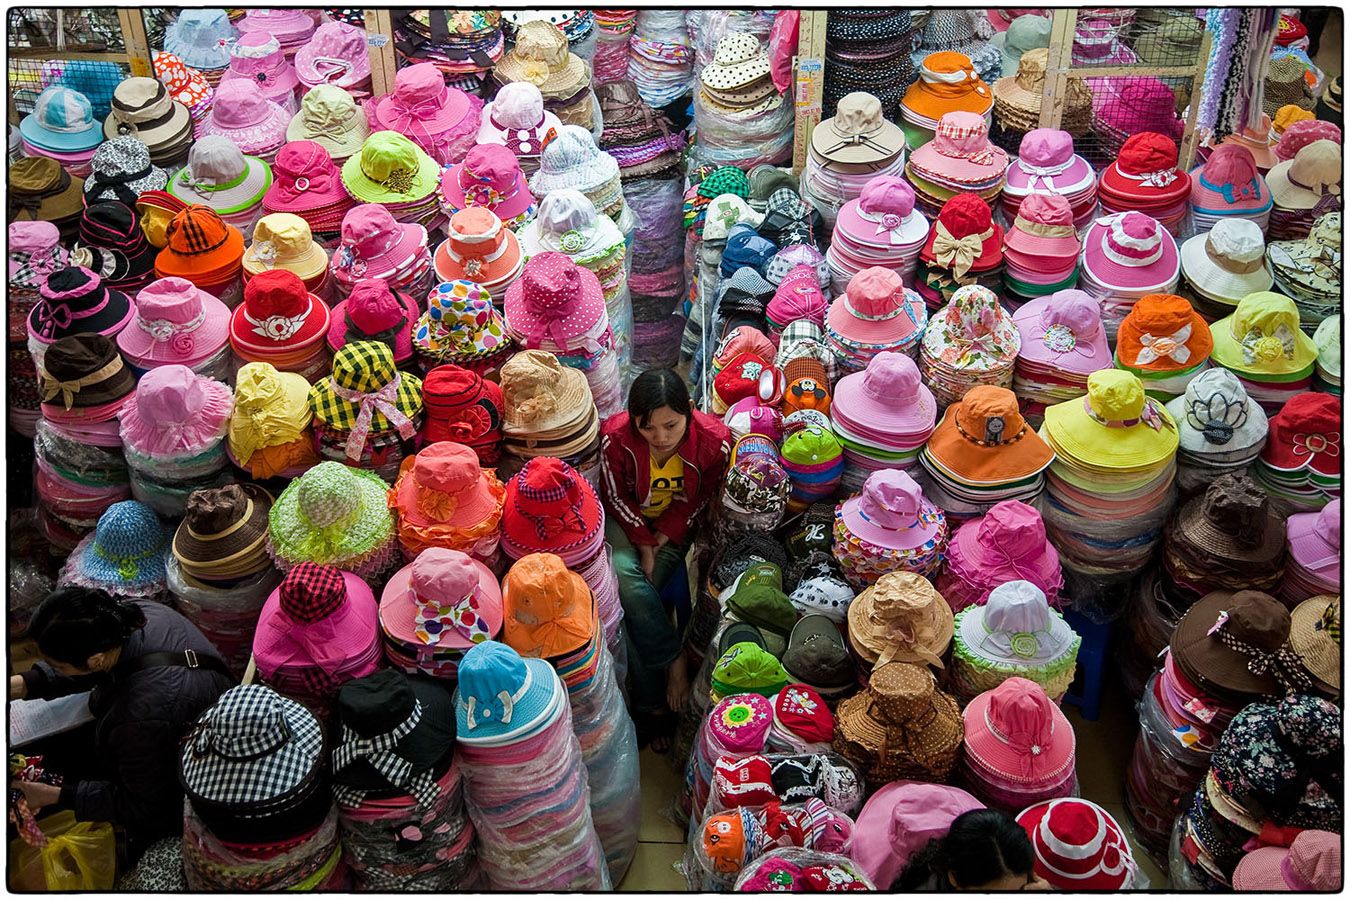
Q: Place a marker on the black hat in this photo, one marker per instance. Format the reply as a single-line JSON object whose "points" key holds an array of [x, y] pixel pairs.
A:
{"points": [[76, 301], [739, 633], [113, 244], [817, 656]]}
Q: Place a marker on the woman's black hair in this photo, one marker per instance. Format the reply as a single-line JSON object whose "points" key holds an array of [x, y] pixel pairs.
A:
{"points": [[654, 389], [74, 623], [983, 845]]}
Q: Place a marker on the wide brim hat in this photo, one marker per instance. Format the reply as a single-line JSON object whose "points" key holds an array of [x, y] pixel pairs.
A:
{"points": [[1216, 280], [52, 207], [1192, 440], [187, 348], [145, 436], [486, 271], [198, 553], [971, 459], [338, 412], [114, 315], [91, 565], [401, 344], [452, 192], [540, 701], [424, 181], [1288, 195], [244, 333], [1204, 658], [371, 526], [398, 609], [1070, 428], [871, 643], [985, 749], [1105, 863], [1228, 352], [342, 146], [896, 418], [858, 722], [228, 254], [1131, 334], [1021, 651], [171, 131], [1083, 358], [334, 643], [264, 136], [246, 191], [428, 746], [1315, 636], [839, 147], [1195, 528], [930, 525], [1158, 274], [557, 85], [909, 317]]}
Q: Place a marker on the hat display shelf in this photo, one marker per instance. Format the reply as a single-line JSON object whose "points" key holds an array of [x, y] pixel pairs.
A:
{"points": [[90, 50]]}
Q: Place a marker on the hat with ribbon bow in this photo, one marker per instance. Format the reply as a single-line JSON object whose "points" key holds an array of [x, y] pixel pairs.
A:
{"points": [[556, 305], [366, 394], [503, 699]]}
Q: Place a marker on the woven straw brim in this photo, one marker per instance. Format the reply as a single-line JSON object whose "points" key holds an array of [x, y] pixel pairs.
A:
{"points": [[1320, 652]]}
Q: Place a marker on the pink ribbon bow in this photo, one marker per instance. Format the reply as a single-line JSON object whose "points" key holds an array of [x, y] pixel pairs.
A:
{"points": [[383, 400]]}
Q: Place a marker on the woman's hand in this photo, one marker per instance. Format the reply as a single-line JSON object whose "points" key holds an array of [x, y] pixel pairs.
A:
{"points": [[17, 688], [647, 559], [38, 795], [661, 539]]}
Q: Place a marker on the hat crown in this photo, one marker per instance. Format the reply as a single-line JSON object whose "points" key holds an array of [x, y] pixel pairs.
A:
{"points": [[63, 109], [566, 210], [887, 194], [1315, 856], [34, 175], [247, 721], [542, 589], [372, 307], [196, 229], [494, 165], [364, 366], [376, 704], [1014, 527], [1045, 209], [128, 530], [1238, 240], [989, 414], [1022, 715], [276, 292], [858, 113], [1258, 619], [875, 291], [891, 498], [77, 355], [542, 41], [170, 395], [288, 234], [326, 104], [1326, 230], [420, 83], [1161, 315], [215, 160], [476, 225], [1265, 312], [122, 155], [552, 283], [1147, 152], [447, 467], [1045, 147], [210, 511], [337, 41], [1318, 165], [1237, 507], [240, 103], [139, 98], [387, 152], [72, 283], [1230, 164], [573, 147], [311, 592], [964, 215], [1017, 607], [303, 159], [443, 575], [518, 105], [327, 494], [1115, 395], [1329, 522], [735, 49], [1028, 32], [961, 133], [901, 691], [488, 671]]}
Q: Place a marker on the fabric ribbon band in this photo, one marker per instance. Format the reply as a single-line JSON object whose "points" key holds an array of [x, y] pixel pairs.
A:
{"points": [[856, 140], [388, 336], [206, 187], [1044, 174], [385, 400], [1231, 265], [1149, 417], [1041, 229], [134, 125], [958, 254], [1117, 240], [1283, 664], [1159, 179], [379, 751], [31, 201], [163, 330], [68, 389], [1172, 346], [1029, 746], [508, 701], [931, 77]]}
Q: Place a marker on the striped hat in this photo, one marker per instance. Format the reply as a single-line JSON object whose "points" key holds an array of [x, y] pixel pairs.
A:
{"points": [[62, 120]]}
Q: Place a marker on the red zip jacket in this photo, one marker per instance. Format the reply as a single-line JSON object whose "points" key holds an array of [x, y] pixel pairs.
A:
{"points": [[626, 462]]}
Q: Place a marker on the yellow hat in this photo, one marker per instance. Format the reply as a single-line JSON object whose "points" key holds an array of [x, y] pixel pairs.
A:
{"points": [[284, 241], [1262, 337], [270, 408], [1115, 426], [1288, 115]]}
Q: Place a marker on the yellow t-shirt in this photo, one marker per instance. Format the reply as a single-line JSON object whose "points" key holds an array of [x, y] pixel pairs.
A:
{"points": [[666, 482]]}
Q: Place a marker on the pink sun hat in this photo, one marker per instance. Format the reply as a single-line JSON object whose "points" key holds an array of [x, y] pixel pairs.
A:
{"points": [[291, 27], [242, 113], [889, 395], [1301, 134], [1229, 183], [336, 55], [422, 107], [1008, 543], [877, 309], [443, 600], [258, 57], [1315, 540], [960, 151], [1311, 862], [1132, 252], [1046, 163], [306, 179], [554, 301], [1016, 734], [891, 512], [174, 322], [319, 617], [1064, 330], [899, 820], [374, 244], [883, 216], [489, 176], [1043, 230], [374, 312], [175, 413]]}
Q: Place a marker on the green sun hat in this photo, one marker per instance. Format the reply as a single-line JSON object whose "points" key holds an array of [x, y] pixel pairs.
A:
{"points": [[390, 169], [748, 669], [332, 514]]}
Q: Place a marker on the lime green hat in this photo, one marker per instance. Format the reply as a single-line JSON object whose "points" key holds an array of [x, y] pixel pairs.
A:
{"points": [[390, 169], [748, 669], [332, 514]]}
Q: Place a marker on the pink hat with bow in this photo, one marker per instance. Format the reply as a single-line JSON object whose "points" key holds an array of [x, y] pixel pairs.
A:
{"points": [[243, 113], [1131, 251], [174, 322], [883, 216], [1014, 733], [319, 618], [892, 512], [374, 244], [443, 600], [555, 302], [489, 176], [258, 56], [175, 413], [1046, 163], [960, 150], [304, 178], [337, 54], [422, 106]]}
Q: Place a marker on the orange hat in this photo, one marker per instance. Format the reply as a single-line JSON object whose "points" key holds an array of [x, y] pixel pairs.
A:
{"points": [[984, 439], [948, 83], [200, 247], [1163, 333], [547, 609]]}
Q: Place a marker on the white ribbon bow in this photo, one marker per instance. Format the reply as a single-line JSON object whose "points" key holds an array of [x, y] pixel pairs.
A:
{"points": [[1173, 346]]}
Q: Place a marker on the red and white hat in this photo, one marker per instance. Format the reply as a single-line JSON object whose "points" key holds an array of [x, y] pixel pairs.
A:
{"points": [[1078, 846]]}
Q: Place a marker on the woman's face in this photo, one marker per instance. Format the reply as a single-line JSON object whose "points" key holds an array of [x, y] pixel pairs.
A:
{"points": [[664, 430]]}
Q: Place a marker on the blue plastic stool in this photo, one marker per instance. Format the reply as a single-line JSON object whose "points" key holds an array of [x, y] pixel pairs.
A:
{"points": [[675, 595], [1086, 690]]}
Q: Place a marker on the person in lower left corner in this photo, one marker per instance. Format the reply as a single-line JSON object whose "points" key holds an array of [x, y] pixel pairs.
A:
{"points": [[662, 462]]}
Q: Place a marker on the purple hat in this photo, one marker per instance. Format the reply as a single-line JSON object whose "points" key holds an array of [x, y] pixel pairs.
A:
{"points": [[1046, 163], [337, 55], [891, 512], [888, 395], [1064, 330], [243, 114], [1315, 540], [258, 57], [175, 322]]}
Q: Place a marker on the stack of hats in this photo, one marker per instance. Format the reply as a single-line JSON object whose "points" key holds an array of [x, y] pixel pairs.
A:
{"points": [[889, 527], [962, 31], [463, 47], [461, 327], [242, 113], [947, 83], [736, 727], [437, 608], [224, 179], [142, 107], [517, 119], [293, 28], [983, 452], [1262, 344], [958, 160], [284, 241], [1109, 488], [1229, 185], [548, 411], [367, 413], [1019, 746], [73, 300], [573, 160], [42, 191], [269, 431], [798, 296], [203, 249], [188, 86], [330, 117], [756, 488], [201, 38], [964, 247], [1008, 543], [35, 252], [462, 406], [281, 323], [335, 56], [1287, 82], [1303, 189], [441, 121], [373, 312], [1127, 256], [1040, 250], [881, 417], [62, 127], [1144, 178], [1300, 465], [1313, 564], [639, 138], [1124, 107], [970, 341], [306, 183], [121, 170], [113, 246], [334, 515], [1327, 377], [541, 57], [874, 314], [533, 820], [1222, 430], [614, 31], [868, 50], [1165, 343], [173, 435], [739, 114], [901, 727], [258, 56], [1221, 267], [124, 554], [881, 227], [1225, 539], [376, 245], [481, 250], [445, 498], [661, 56], [1047, 164], [489, 176], [1309, 271], [396, 174], [847, 150], [814, 461], [1018, 96]]}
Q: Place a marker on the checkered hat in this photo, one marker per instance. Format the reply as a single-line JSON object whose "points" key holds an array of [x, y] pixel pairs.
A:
{"points": [[311, 592], [365, 367]]}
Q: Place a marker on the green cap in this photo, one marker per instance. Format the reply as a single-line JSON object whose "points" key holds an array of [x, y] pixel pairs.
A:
{"points": [[390, 169], [748, 669], [767, 608], [811, 446]]}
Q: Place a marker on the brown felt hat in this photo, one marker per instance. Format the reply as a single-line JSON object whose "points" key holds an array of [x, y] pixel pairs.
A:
{"points": [[1256, 620], [84, 370]]}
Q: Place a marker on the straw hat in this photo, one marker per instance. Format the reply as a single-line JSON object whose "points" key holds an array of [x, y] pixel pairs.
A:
{"points": [[1315, 635], [542, 58], [1017, 97], [901, 617], [540, 393], [902, 726]]}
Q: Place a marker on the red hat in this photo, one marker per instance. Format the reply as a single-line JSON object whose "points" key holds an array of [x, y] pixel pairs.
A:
{"points": [[463, 407], [743, 782], [965, 216], [550, 509], [1078, 846], [1146, 170], [277, 316], [801, 710], [1306, 434], [740, 378]]}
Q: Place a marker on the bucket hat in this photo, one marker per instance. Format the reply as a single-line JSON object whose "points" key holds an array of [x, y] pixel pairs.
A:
{"points": [[1300, 134], [555, 303], [1216, 416], [1079, 846], [1262, 337], [549, 508], [331, 514], [445, 485], [899, 820], [337, 56], [1145, 172], [1232, 523], [367, 393], [901, 617], [884, 215], [877, 309], [184, 84], [516, 118], [244, 114], [277, 316], [541, 57], [891, 512], [1064, 330], [503, 699], [984, 439], [547, 609], [444, 600], [1230, 183], [960, 151], [1312, 862], [460, 324], [1130, 251], [330, 117], [375, 312], [290, 26], [62, 120], [390, 169], [285, 241], [318, 618], [1015, 632], [73, 300], [489, 176], [271, 410], [218, 175], [1008, 543], [1026, 32], [421, 104], [1043, 231], [200, 245], [1046, 164], [175, 413], [902, 726], [1315, 629], [1305, 434], [1228, 262], [858, 133], [258, 56], [1220, 637], [121, 170], [1114, 426], [40, 189], [1163, 333], [1016, 734], [375, 244], [124, 555], [947, 82], [480, 249], [1311, 180], [307, 183], [82, 376], [568, 222], [154, 211], [142, 107], [972, 333], [964, 237], [201, 38], [112, 245], [573, 159], [222, 533]]}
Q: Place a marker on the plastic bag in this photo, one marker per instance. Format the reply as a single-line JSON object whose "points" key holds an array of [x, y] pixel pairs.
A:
{"points": [[79, 856]]}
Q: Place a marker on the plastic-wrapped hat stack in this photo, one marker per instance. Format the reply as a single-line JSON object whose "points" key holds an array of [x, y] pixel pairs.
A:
{"points": [[284, 241], [1144, 178], [445, 498], [338, 516], [330, 117], [549, 612], [441, 120], [480, 249], [465, 47], [178, 324], [375, 244], [573, 160], [396, 174], [559, 307], [971, 341], [511, 715], [876, 313], [1014, 634], [335, 56], [62, 127], [882, 227], [964, 247], [1226, 538], [1304, 188], [306, 183], [889, 527], [1221, 429], [1309, 271], [1127, 256], [568, 223], [1313, 566], [1229, 185], [367, 413], [204, 249], [755, 491], [661, 56], [489, 176], [739, 113], [1224, 265], [1047, 164], [201, 38], [1263, 344], [1110, 486], [847, 150], [1165, 343], [242, 113], [1018, 96], [142, 107], [1008, 543], [614, 32], [881, 417], [218, 175], [269, 432], [461, 327], [1041, 249], [1327, 337], [437, 608], [541, 57], [1300, 465], [959, 159], [1019, 747], [517, 119], [186, 85], [258, 56], [947, 83], [281, 323], [548, 411], [868, 50], [983, 452], [639, 138]]}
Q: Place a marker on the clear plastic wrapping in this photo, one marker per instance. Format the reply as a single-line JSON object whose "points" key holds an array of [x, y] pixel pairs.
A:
{"points": [[826, 871], [28, 586], [227, 617], [213, 865], [755, 831], [743, 139]]}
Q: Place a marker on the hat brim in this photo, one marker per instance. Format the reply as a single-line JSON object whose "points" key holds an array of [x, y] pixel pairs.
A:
{"points": [[994, 755], [1227, 352], [1321, 653], [248, 193], [539, 706], [996, 464], [62, 141], [1216, 280], [1069, 427], [1206, 661], [837, 147], [895, 330], [360, 186], [402, 347], [1156, 276], [398, 609]]}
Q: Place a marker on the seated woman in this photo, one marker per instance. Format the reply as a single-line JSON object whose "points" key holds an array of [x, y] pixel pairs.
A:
{"points": [[662, 462], [147, 691], [985, 850]]}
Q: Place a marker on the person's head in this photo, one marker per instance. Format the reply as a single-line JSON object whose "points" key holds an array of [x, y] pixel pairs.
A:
{"points": [[78, 630], [659, 409], [985, 850]]}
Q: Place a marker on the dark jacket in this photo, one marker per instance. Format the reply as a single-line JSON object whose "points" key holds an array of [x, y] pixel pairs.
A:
{"points": [[626, 463], [140, 720]]}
